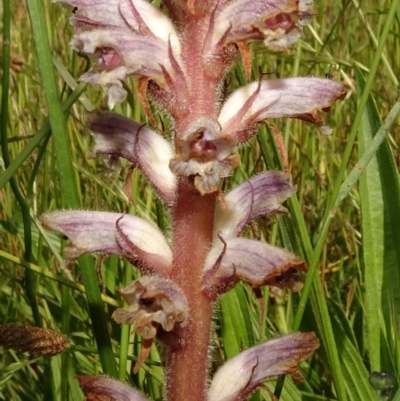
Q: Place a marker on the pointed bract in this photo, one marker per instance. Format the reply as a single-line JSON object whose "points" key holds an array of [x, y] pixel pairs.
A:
{"points": [[118, 136], [101, 388], [153, 301], [276, 98], [112, 233], [262, 195], [241, 375], [254, 262]]}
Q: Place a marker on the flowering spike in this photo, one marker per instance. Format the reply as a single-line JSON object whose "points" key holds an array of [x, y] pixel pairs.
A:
{"points": [[241, 375], [118, 136], [153, 302], [254, 262], [109, 233], [101, 388], [181, 61]]}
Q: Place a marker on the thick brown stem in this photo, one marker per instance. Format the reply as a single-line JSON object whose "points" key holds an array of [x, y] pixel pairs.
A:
{"points": [[193, 223]]}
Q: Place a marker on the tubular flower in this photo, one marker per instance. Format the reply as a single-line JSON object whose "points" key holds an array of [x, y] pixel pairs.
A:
{"points": [[203, 151], [112, 233], [181, 58], [241, 375], [277, 23], [125, 38]]}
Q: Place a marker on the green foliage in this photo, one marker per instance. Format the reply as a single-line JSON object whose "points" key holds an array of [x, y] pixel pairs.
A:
{"points": [[349, 235]]}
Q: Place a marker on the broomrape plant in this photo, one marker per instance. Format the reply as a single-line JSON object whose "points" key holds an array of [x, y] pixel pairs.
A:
{"points": [[180, 55]]}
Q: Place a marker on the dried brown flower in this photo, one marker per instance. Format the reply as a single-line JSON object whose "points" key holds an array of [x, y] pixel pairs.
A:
{"points": [[36, 341]]}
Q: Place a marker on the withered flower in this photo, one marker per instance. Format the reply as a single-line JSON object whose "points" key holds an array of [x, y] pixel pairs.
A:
{"points": [[153, 302], [35, 340]]}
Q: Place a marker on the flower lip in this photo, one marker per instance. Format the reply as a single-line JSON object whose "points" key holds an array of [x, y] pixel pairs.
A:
{"points": [[261, 195], [255, 262], [241, 375], [112, 233]]}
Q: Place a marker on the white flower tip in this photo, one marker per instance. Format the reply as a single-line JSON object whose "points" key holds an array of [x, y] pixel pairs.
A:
{"points": [[104, 388], [325, 130]]}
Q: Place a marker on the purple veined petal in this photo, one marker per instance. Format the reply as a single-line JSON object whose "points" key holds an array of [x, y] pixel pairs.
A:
{"points": [[153, 301], [238, 16], [118, 136], [155, 20], [277, 22], [255, 262], [137, 16], [262, 195], [120, 55], [276, 98], [241, 375], [112, 233], [101, 387], [96, 14]]}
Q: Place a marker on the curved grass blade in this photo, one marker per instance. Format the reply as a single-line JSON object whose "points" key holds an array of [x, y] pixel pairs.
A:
{"points": [[355, 374], [380, 214], [68, 184], [237, 332]]}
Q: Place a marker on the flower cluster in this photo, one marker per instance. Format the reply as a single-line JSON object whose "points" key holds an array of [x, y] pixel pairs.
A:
{"points": [[181, 54]]}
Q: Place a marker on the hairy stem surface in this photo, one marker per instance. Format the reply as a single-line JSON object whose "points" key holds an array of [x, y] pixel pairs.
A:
{"points": [[193, 223]]}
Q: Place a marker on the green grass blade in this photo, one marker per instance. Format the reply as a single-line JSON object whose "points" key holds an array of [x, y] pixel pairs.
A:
{"points": [[374, 144], [68, 184], [237, 332], [355, 375], [37, 138], [380, 207]]}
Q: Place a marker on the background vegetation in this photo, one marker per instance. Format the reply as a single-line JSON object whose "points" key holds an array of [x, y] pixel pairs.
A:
{"points": [[352, 246]]}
